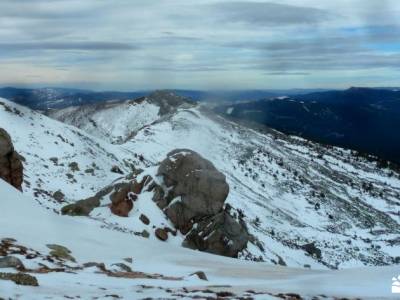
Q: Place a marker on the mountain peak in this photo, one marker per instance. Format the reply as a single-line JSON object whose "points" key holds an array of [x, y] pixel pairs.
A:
{"points": [[167, 100]]}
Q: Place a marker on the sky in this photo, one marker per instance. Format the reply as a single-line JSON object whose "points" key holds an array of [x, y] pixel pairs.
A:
{"points": [[191, 44]]}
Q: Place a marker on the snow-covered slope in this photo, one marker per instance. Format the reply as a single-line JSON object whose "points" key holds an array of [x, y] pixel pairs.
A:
{"points": [[111, 121], [298, 198], [108, 264], [291, 191], [61, 157], [119, 121]]}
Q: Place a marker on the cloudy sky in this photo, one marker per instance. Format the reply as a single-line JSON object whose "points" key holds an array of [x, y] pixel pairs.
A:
{"points": [[207, 44]]}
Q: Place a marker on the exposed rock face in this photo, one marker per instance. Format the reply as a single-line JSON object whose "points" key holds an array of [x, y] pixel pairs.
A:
{"points": [[196, 195], [122, 200], [198, 188], [167, 101], [220, 234], [11, 168]]}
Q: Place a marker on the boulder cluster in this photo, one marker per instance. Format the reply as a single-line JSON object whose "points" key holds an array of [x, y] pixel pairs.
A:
{"points": [[11, 168], [191, 192], [193, 198]]}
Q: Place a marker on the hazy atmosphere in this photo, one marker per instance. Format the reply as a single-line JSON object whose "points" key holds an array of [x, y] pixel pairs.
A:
{"points": [[132, 45]]}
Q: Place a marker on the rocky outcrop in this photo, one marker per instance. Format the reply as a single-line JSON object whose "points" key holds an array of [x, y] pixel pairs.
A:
{"points": [[20, 278], [198, 189], [122, 199], [11, 262], [122, 196], [220, 234], [312, 250], [168, 101], [11, 168], [194, 199], [81, 207]]}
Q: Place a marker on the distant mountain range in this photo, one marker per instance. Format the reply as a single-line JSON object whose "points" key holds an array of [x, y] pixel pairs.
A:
{"points": [[364, 119], [55, 98], [45, 98]]}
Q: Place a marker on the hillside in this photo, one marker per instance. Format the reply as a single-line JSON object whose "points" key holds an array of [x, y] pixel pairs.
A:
{"points": [[304, 204], [363, 119], [292, 192]]}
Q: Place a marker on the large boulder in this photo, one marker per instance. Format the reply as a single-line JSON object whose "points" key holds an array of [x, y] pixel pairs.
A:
{"points": [[196, 188], [11, 168], [220, 234]]}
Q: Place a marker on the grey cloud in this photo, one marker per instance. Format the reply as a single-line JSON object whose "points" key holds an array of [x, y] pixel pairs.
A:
{"points": [[269, 14], [70, 45], [287, 73]]}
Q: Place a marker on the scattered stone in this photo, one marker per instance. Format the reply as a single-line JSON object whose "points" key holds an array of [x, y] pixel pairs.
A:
{"points": [[74, 166], [312, 250], [145, 234], [60, 252], [200, 274], [90, 171], [116, 169], [161, 234], [144, 219], [20, 278], [54, 160], [123, 267], [11, 262], [58, 196]]}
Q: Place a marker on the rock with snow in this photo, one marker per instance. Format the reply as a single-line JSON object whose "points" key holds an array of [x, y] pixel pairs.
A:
{"points": [[220, 234], [200, 274], [161, 234], [144, 219], [122, 199], [11, 168], [81, 207], [198, 189], [116, 169], [20, 278], [11, 262], [312, 250]]}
